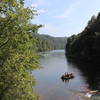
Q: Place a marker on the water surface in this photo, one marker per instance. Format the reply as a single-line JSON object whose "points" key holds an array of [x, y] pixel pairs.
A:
{"points": [[49, 85]]}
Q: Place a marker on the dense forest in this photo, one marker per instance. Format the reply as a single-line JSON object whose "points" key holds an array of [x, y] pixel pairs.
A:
{"points": [[46, 42], [86, 45]]}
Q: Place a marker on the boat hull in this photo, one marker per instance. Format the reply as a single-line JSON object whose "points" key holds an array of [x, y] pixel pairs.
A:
{"points": [[67, 78]]}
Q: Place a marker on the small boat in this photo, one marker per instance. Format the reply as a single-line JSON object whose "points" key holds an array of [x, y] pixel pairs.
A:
{"points": [[67, 76]]}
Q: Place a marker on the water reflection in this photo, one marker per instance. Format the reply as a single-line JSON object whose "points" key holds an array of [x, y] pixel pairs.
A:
{"points": [[90, 72], [65, 81], [48, 83]]}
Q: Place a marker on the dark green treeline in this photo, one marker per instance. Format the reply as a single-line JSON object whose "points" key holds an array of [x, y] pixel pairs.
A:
{"points": [[46, 42], [86, 45]]}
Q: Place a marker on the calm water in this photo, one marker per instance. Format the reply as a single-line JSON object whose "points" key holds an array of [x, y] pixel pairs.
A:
{"points": [[48, 83]]}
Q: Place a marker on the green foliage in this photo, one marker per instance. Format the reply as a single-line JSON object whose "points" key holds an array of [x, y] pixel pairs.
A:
{"points": [[86, 44], [46, 42], [17, 53]]}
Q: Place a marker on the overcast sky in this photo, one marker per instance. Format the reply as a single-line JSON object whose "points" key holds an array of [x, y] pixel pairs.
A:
{"points": [[63, 17]]}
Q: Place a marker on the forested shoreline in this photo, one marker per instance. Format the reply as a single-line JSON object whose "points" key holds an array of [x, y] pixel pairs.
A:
{"points": [[47, 42], [85, 46]]}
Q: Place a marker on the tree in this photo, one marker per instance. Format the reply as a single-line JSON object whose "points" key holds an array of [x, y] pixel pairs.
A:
{"points": [[85, 45], [17, 56]]}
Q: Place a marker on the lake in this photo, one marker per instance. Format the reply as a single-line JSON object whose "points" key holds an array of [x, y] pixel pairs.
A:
{"points": [[49, 85]]}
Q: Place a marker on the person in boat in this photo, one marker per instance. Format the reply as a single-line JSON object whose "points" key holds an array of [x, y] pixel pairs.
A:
{"points": [[66, 74], [71, 74]]}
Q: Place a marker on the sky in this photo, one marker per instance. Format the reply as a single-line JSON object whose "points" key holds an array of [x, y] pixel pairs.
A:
{"points": [[63, 17]]}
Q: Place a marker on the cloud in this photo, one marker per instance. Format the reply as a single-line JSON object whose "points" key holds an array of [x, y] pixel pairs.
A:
{"points": [[34, 5], [38, 5], [43, 10], [52, 30], [41, 3], [67, 12]]}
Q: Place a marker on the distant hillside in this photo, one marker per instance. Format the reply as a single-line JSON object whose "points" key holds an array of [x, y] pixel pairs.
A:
{"points": [[46, 42], [86, 45]]}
